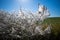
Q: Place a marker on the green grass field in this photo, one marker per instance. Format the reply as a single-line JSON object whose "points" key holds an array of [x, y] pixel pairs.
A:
{"points": [[55, 23]]}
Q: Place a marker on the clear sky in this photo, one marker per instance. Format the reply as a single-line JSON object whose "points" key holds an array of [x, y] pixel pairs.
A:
{"points": [[52, 5]]}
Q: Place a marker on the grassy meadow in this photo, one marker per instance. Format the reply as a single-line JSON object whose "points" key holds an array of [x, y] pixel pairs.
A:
{"points": [[55, 24]]}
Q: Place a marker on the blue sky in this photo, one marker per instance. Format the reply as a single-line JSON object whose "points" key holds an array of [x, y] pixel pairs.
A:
{"points": [[52, 5]]}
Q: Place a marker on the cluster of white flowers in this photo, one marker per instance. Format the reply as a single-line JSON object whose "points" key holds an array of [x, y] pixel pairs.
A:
{"points": [[24, 23]]}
